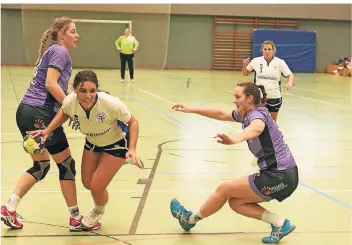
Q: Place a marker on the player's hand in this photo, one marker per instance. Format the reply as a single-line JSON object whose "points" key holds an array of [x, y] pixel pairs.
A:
{"points": [[134, 50], [39, 133], [181, 107], [132, 158], [288, 86], [246, 61], [225, 140]]}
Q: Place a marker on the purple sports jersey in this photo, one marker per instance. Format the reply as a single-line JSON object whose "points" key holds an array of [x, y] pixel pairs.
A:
{"points": [[269, 147], [55, 56]]}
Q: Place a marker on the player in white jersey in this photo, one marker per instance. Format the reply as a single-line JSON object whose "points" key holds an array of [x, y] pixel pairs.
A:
{"points": [[107, 147], [268, 71]]}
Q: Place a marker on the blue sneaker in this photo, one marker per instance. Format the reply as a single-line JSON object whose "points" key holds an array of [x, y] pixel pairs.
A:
{"points": [[180, 213], [277, 233]]}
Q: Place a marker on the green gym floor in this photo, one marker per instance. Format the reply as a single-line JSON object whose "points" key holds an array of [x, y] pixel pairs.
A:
{"points": [[183, 160]]}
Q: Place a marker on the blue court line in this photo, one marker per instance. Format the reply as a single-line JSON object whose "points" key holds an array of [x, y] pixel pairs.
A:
{"points": [[326, 195], [303, 184], [152, 108]]}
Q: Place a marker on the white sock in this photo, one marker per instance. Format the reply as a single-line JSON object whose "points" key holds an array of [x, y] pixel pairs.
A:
{"points": [[100, 209], [195, 217], [272, 219], [12, 203], [74, 212]]}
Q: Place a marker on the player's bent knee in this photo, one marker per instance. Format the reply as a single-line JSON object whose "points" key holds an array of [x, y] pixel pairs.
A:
{"points": [[96, 187], [224, 188], [235, 203], [86, 184], [67, 169], [39, 169]]}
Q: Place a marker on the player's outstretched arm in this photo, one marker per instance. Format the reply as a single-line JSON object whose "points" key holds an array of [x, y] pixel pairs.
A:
{"points": [[214, 113], [255, 128]]}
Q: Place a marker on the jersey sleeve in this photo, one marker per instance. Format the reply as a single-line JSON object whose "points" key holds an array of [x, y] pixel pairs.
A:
{"points": [[121, 111], [67, 104], [251, 65], [58, 58], [256, 115], [284, 68], [236, 116]]}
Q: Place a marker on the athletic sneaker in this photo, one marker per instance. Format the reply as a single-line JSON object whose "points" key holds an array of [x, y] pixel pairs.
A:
{"points": [[180, 213], [91, 221], [10, 218], [75, 224], [277, 233], [95, 227]]}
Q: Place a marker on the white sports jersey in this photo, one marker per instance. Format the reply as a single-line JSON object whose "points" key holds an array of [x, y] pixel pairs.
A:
{"points": [[99, 124], [268, 74]]}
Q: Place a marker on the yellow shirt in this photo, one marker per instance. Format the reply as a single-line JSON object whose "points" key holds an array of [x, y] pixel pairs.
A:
{"points": [[126, 44]]}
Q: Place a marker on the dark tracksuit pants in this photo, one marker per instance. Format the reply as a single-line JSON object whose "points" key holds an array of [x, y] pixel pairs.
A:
{"points": [[129, 59]]}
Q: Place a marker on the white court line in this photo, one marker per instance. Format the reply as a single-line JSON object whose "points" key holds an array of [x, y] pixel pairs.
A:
{"points": [[319, 101], [172, 103], [167, 191]]}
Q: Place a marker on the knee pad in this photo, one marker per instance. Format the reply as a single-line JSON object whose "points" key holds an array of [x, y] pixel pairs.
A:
{"points": [[39, 169], [67, 170]]}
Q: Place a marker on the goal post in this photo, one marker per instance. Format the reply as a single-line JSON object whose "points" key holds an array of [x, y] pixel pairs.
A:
{"points": [[128, 22]]}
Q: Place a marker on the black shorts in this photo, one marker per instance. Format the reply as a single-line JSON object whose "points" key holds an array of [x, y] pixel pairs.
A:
{"points": [[31, 118], [118, 149], [274, 105], [274, 184]]}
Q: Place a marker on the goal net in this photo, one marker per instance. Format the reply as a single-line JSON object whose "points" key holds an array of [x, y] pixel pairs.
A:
{"points": [[98, 32]]}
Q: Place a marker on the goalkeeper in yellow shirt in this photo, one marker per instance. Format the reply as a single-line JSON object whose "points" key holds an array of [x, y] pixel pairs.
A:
{"points": [[127, 45]]}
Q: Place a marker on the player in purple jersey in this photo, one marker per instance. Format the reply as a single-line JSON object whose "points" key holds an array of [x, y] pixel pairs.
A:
{"points": [[278, 174], [40, 103]]}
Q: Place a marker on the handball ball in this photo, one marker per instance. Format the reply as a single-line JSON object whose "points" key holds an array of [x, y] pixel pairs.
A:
{"points": [[33, 145]]}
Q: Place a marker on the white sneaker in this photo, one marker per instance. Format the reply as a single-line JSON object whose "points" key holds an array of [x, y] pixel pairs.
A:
{"points": [[91, 219], [132, 81], [122, 80]]}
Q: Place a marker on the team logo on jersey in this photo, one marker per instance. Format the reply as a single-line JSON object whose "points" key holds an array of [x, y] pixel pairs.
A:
{"points": [[75, 122], [100, 117], [261, 68]]}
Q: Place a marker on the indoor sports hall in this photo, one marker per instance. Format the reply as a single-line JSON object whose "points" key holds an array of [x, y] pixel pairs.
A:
{"points": [[191, 54]]}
